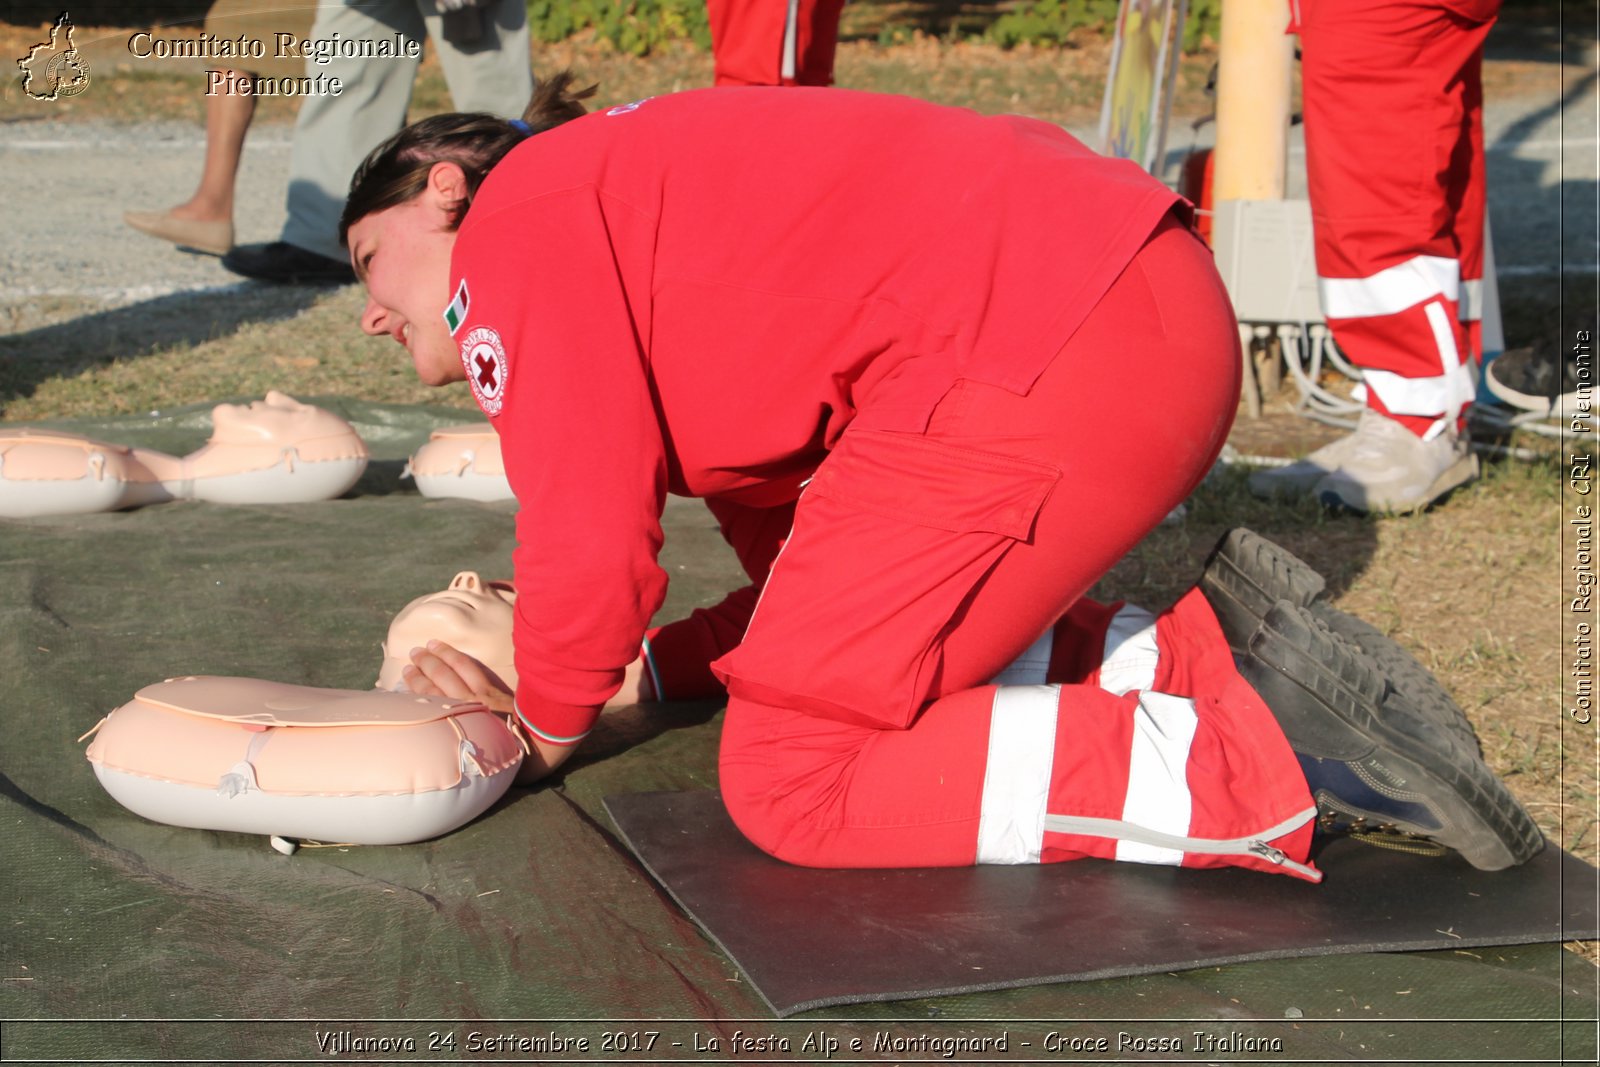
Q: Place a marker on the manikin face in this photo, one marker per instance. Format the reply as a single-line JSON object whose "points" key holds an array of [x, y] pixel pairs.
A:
{"points": [[402, 255], [472, 615], [277, 420]]}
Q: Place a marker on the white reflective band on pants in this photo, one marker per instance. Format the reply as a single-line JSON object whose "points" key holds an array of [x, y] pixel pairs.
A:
{"points": [[1158, 781], [1391, 290], [791, 41], [1016, 782], [1470, 307], [1440, 394], [1130, 656], [1022, 740], [1163, 728]]}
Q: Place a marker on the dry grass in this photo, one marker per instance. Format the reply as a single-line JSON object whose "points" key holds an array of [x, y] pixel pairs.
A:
{"points": [[180, 349]]}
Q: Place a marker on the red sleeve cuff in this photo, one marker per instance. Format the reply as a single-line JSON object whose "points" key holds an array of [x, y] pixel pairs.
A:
{"points": [[555, 723]]}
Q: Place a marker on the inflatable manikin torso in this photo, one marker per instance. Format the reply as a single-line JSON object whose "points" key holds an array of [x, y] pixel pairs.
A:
{"points": [[367, 767], [461, 461], [292, 761], [273, 451], [43, 472]]}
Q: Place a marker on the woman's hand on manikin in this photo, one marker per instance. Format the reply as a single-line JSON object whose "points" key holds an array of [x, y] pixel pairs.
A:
{"points": [[442, 670]]}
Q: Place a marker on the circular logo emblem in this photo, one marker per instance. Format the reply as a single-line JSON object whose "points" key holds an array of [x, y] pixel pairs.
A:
{"points": [[484, 358], [67, 73]]}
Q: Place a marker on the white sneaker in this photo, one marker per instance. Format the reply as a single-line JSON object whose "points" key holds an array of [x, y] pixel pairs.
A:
{"points": [[1302, 476], [1389, 468]]}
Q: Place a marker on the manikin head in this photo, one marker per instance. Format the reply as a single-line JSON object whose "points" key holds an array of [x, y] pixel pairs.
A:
{"points": [[278, 433], [471, 615], [407, 200], [277, 420]]}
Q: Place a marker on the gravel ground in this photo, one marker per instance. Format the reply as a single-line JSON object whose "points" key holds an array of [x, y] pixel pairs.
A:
{"points": [[70, 182]]}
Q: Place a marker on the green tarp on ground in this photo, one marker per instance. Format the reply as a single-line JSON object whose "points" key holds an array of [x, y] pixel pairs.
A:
{"points": [[115, 928]]}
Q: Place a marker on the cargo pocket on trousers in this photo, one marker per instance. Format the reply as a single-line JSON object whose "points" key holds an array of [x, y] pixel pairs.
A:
{"points": [[891, 535]]}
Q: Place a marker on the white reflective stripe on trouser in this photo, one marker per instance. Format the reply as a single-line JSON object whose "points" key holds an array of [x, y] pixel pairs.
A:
{"points": [[1016, 780], [791, 41], [1391, 290], [1033, 666], [1158, 780], [1130, 656], [1470, 307], [1440, 394]]}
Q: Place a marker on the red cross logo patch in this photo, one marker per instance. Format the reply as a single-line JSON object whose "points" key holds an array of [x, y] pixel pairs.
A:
{"points": [[484, 358]]}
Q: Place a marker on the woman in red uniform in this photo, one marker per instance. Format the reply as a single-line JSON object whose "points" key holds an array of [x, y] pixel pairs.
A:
{"points": [[934, 373]]}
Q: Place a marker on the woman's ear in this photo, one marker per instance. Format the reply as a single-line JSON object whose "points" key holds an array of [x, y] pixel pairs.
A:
{"points": [[447, 187]]}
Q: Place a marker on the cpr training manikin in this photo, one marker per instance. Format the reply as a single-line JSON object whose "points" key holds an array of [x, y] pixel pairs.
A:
{"points": [[272, 451], [294, 762]]}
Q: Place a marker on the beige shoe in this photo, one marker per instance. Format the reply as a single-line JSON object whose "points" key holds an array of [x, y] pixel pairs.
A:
{"points": [[1302, 476], [1392, 469], [214, 237]]}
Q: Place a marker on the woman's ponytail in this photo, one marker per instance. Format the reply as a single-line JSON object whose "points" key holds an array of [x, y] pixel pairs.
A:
{"points": [[554, 102]]}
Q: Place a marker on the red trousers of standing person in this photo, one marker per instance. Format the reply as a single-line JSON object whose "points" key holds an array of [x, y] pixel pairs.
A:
{"points": [[774, 42], [893, 702], [1394, 161]]}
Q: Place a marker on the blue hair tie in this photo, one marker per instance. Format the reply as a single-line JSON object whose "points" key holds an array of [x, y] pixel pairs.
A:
{"points": [[522, 127]]}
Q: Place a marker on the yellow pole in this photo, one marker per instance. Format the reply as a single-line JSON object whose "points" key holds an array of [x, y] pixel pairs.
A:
{"points": [[1254, 68]]}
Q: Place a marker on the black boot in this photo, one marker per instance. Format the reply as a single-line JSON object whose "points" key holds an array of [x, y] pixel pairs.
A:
{"points": [[287, 264], [1374, 763], [1246, 574]]}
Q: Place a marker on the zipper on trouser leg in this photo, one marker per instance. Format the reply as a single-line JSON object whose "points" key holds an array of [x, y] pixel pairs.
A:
{"points": [[1255, 845]]}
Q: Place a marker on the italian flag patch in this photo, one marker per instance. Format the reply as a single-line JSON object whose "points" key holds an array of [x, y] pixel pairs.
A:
{"points": [[456, 313]]}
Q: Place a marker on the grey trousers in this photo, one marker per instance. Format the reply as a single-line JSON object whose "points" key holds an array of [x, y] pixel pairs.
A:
{"points": [[333, 134]]}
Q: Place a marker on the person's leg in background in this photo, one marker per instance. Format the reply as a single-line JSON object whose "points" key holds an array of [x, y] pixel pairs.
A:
{"points": [[774, 42], [333, 134], [491, 70], [1467, 193], [205, 220], [1394, 174]]}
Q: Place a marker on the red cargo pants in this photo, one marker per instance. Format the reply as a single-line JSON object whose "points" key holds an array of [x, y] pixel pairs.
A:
{"points": [[862, 729]]}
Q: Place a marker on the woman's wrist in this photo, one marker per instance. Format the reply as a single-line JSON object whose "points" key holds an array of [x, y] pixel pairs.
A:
{"points": [[637, 686]]}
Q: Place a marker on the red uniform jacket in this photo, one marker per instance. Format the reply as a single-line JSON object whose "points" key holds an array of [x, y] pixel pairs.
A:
{"points": [[698, 293]]}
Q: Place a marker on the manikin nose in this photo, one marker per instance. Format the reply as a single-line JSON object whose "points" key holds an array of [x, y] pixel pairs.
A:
{"points": [[467, 581]]}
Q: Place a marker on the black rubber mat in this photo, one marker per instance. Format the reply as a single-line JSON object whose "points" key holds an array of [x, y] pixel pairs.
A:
{"points": [[810, 938]]}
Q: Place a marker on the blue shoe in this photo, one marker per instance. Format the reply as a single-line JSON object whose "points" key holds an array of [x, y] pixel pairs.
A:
{"points": [[1348, 806], [1374, 764]]}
